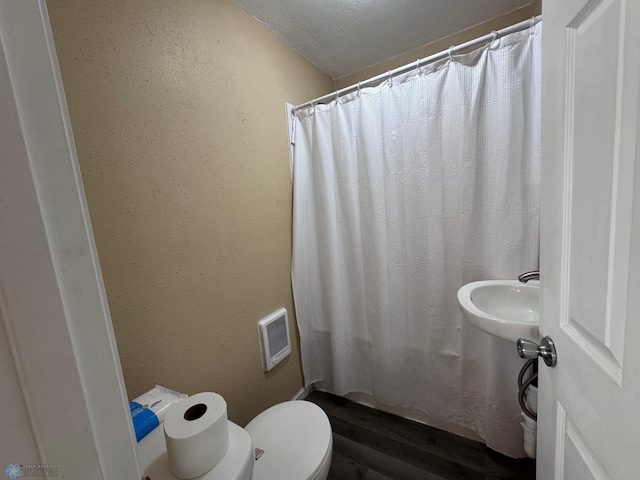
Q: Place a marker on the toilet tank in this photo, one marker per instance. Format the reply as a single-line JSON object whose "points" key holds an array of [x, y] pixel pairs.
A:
{"points": [[237, 464]]}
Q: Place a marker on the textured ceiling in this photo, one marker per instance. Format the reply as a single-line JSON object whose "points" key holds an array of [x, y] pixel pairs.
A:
{"points": [[344, 36]]}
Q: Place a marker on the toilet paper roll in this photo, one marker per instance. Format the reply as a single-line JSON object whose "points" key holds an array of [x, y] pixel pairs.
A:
{"points": [[196, 431]]}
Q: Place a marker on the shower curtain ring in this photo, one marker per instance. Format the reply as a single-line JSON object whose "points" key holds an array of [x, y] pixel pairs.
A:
{"points": [[359, 92], [451, 53], [493, 40], [390, 78], [418, 67], [533, 24], [313, 107]]}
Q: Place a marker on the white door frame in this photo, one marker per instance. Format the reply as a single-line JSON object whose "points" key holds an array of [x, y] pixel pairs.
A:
{"points": [[62, 359]]}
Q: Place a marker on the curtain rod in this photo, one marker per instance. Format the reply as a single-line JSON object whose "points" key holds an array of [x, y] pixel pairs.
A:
{"points": [[422, 62]]}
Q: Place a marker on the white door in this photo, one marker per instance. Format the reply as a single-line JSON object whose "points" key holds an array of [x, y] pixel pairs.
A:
{"points": [[589, 410]]}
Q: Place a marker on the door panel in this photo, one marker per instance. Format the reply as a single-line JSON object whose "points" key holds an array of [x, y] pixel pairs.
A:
{"points": [[595, 186], [580, 462], [589, 419], [590, 138]]}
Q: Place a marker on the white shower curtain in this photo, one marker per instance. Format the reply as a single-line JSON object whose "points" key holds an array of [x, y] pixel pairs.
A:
{"points": [[402, 194]]}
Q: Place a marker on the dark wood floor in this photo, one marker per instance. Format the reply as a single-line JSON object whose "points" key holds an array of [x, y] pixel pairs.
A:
{"points": [[373, 445]]}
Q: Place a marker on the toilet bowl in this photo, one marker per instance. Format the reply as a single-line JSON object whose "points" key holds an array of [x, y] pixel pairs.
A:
{"points": [[294, 438]]}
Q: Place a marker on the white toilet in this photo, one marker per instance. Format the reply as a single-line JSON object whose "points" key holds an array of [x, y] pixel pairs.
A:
{"points": [[295, 438]]}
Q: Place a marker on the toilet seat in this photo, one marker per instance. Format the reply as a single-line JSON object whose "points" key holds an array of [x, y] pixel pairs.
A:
{"points": [[296, 439]]}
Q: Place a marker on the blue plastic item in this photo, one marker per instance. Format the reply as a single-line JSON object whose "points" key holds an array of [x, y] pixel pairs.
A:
{"points": [[144, 420]]}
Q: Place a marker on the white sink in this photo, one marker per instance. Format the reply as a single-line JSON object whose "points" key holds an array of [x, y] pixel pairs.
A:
{"points": [[506, 309]]}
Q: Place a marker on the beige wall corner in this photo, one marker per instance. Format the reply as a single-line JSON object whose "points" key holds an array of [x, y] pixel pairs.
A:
{"points": [[177, 111], [497, 23]]}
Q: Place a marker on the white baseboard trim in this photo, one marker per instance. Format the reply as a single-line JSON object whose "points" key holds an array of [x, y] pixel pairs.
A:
{"points": [[303, 393]]}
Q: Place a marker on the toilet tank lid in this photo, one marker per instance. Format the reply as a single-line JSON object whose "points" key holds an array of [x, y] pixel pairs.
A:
{"points": [[295, 437], [237, 464]]}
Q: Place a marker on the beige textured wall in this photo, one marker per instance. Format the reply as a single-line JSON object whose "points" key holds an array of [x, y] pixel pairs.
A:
{"points": [[178, 114], [442, 44]]}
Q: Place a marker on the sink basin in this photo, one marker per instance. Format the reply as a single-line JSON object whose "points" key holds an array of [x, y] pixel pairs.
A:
{"points": [[506, 309]]}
